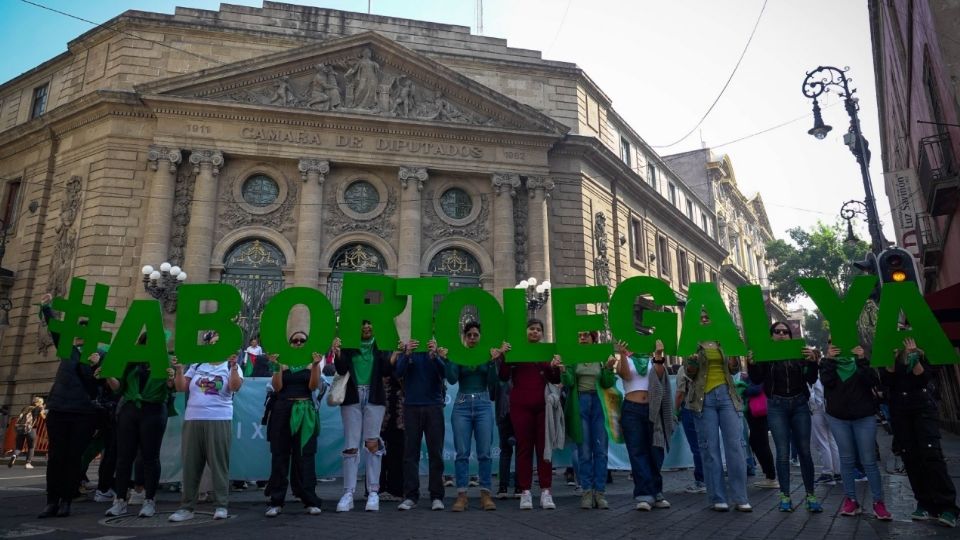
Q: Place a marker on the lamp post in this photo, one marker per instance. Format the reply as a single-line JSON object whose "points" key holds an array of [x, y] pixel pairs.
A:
{"points": [[818, 82], [162, 284], [537, 294], [848, 211]]}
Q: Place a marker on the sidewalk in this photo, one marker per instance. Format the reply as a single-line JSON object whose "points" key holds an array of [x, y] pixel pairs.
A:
{"points": [[21, 492]]}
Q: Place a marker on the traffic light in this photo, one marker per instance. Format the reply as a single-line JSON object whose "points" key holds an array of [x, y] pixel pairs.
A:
{"points": [[896, 266], [868, 265]]}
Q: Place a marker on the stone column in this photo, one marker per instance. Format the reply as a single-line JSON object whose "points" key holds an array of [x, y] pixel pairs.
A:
{"points": [[408, 248], [309, 231], [504, 246], [538, 233], [203, 215], [158, 213]]}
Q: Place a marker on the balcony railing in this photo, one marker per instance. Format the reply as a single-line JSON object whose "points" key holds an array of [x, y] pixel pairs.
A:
{"points": [[938, 174], [931, 247]]}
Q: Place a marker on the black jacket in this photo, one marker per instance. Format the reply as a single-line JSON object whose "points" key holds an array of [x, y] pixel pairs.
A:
{"points": [[381, 368], [906, 390], [786, 378], [852, 399], [75, 389]]}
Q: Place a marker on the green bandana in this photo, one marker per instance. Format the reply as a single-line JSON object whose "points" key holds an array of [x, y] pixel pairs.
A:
{"points": [[912, 360], [641, 364], [303, 418], [846, 367]]}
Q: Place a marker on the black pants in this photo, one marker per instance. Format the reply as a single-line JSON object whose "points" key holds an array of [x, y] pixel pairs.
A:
{"points": [[106, 472], [140, 429], [391, 473], [507, 442], [916, 436], [30, 438], [288, 459], [760, 443], [419, 422], [69, 435]]}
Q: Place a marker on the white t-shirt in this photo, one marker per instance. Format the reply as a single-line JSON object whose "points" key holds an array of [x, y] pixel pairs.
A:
{"points": [[257, 351], [210, 396]]}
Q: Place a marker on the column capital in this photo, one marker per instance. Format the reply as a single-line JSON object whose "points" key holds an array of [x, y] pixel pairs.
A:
{"points": [[202, 157], [539, 183], [171, 155], [313, 165], [415, 173], [505, 183]]}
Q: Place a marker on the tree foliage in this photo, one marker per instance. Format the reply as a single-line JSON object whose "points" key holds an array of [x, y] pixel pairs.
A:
{"points": [[818, 252]]}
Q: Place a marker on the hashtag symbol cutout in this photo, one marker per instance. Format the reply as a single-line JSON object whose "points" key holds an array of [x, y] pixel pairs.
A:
{"points": [[74, 310]]}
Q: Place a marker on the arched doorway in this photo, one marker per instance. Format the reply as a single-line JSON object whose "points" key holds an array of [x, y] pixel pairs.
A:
{"points": [[255, 268], [462, 270], [354, 257]]}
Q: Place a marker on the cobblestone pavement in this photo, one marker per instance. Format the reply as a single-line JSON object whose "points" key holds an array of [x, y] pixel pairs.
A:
{"points": [[21, 493]]}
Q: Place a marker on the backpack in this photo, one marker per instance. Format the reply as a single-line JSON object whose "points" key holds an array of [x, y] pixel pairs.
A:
{"points": [[25, 420]]}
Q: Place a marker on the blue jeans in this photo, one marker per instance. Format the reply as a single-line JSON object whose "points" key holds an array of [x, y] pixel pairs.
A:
{"points": [[789, 421], [690, 430], [472, 417], [857, 438], [645, 459], [720, 416], [592, 462]]}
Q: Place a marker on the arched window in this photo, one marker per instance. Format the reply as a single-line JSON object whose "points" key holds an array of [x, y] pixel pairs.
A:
{"points": [[255, 268], [354, 257], [462, 270]]}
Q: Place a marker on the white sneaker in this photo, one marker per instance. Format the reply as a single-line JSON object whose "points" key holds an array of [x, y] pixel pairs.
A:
{"points": [[136, 497], [437, 504], [643, 506], [407, 504], [102, 497], [273, 511], [661, 502], [221, 513], [373, 502], [546, 501], [180, 515], [314, 510], [119, 508], [767, 483], [149, 508], [346, 502], [526, 500], [745, 507], [721, 507], [28, 465]]}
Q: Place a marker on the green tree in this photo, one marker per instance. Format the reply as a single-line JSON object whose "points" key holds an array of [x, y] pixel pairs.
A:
{"points": [[816, 328], [818, 252]]}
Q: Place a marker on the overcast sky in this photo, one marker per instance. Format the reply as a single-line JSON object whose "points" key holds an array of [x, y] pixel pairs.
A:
{"points": [[662, 63]]}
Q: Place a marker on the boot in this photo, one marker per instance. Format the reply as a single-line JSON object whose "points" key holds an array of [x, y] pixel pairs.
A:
{"points": [[586, 500], [49, 510], [486, 501], [600, 500], [64, 510], [461, 503]]}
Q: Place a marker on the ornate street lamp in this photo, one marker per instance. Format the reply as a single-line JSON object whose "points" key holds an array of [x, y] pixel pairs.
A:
{"points": [[848, 211], [818, 82], [537, 294], [162, 284]]}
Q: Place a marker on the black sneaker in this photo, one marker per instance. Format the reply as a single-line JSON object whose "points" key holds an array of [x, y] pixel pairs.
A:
{"points": [[517, 492], [502, 493]]}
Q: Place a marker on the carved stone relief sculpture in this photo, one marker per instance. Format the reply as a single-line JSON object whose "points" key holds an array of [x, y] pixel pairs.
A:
{"points": [[183, 197], [65, 248], [435, 228], [520, 232]]}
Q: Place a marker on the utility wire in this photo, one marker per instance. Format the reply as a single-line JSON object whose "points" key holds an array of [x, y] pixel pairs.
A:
{"points": [[559, 28], [725, 85]]}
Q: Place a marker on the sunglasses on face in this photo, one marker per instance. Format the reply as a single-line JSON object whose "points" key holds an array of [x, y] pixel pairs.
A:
{"points": [[298, 341], [781, 331]]}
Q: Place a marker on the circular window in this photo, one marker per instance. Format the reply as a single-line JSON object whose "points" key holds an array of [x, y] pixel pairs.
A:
{"points": [[456, 203], [260, 190], [361, 197]]}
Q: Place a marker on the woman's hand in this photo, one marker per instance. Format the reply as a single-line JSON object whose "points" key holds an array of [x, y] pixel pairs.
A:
{"points": [[622, 349], [658, 349], [317, 359], [557, 363], [859, 352], [833, 351]]}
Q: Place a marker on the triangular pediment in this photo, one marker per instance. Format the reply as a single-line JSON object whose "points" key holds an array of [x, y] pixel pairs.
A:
{"points": [[365, 74]]}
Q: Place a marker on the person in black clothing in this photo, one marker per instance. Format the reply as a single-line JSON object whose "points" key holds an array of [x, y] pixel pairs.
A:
{"points": [[423, 387], [501, 404], [292, 430], [786, 383], [757, 438], [392, 433], [71, 420], [916, 435]]}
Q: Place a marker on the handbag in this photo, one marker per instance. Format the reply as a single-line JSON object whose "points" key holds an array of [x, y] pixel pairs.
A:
{"points": [[758, 405], [338, 390]]}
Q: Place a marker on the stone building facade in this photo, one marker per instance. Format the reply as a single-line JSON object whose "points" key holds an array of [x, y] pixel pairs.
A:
{"points": [[286, 145]]}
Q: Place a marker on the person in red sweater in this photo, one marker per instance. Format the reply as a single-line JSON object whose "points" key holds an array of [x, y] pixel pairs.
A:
{"points": [[527, 413]]}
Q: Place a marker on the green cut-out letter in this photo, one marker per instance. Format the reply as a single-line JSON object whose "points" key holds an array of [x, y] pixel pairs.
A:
{"points": [[422, 292], [924, 328], [753, 312], [567, 324], [354, 309], [623, 314], [145, 315], [841, 314], [190, 322], [489, 315], [706, 297], [273, 325], [515, 313]]}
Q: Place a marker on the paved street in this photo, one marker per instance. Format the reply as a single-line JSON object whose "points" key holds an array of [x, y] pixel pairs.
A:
{"points": [[21, 492]]}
